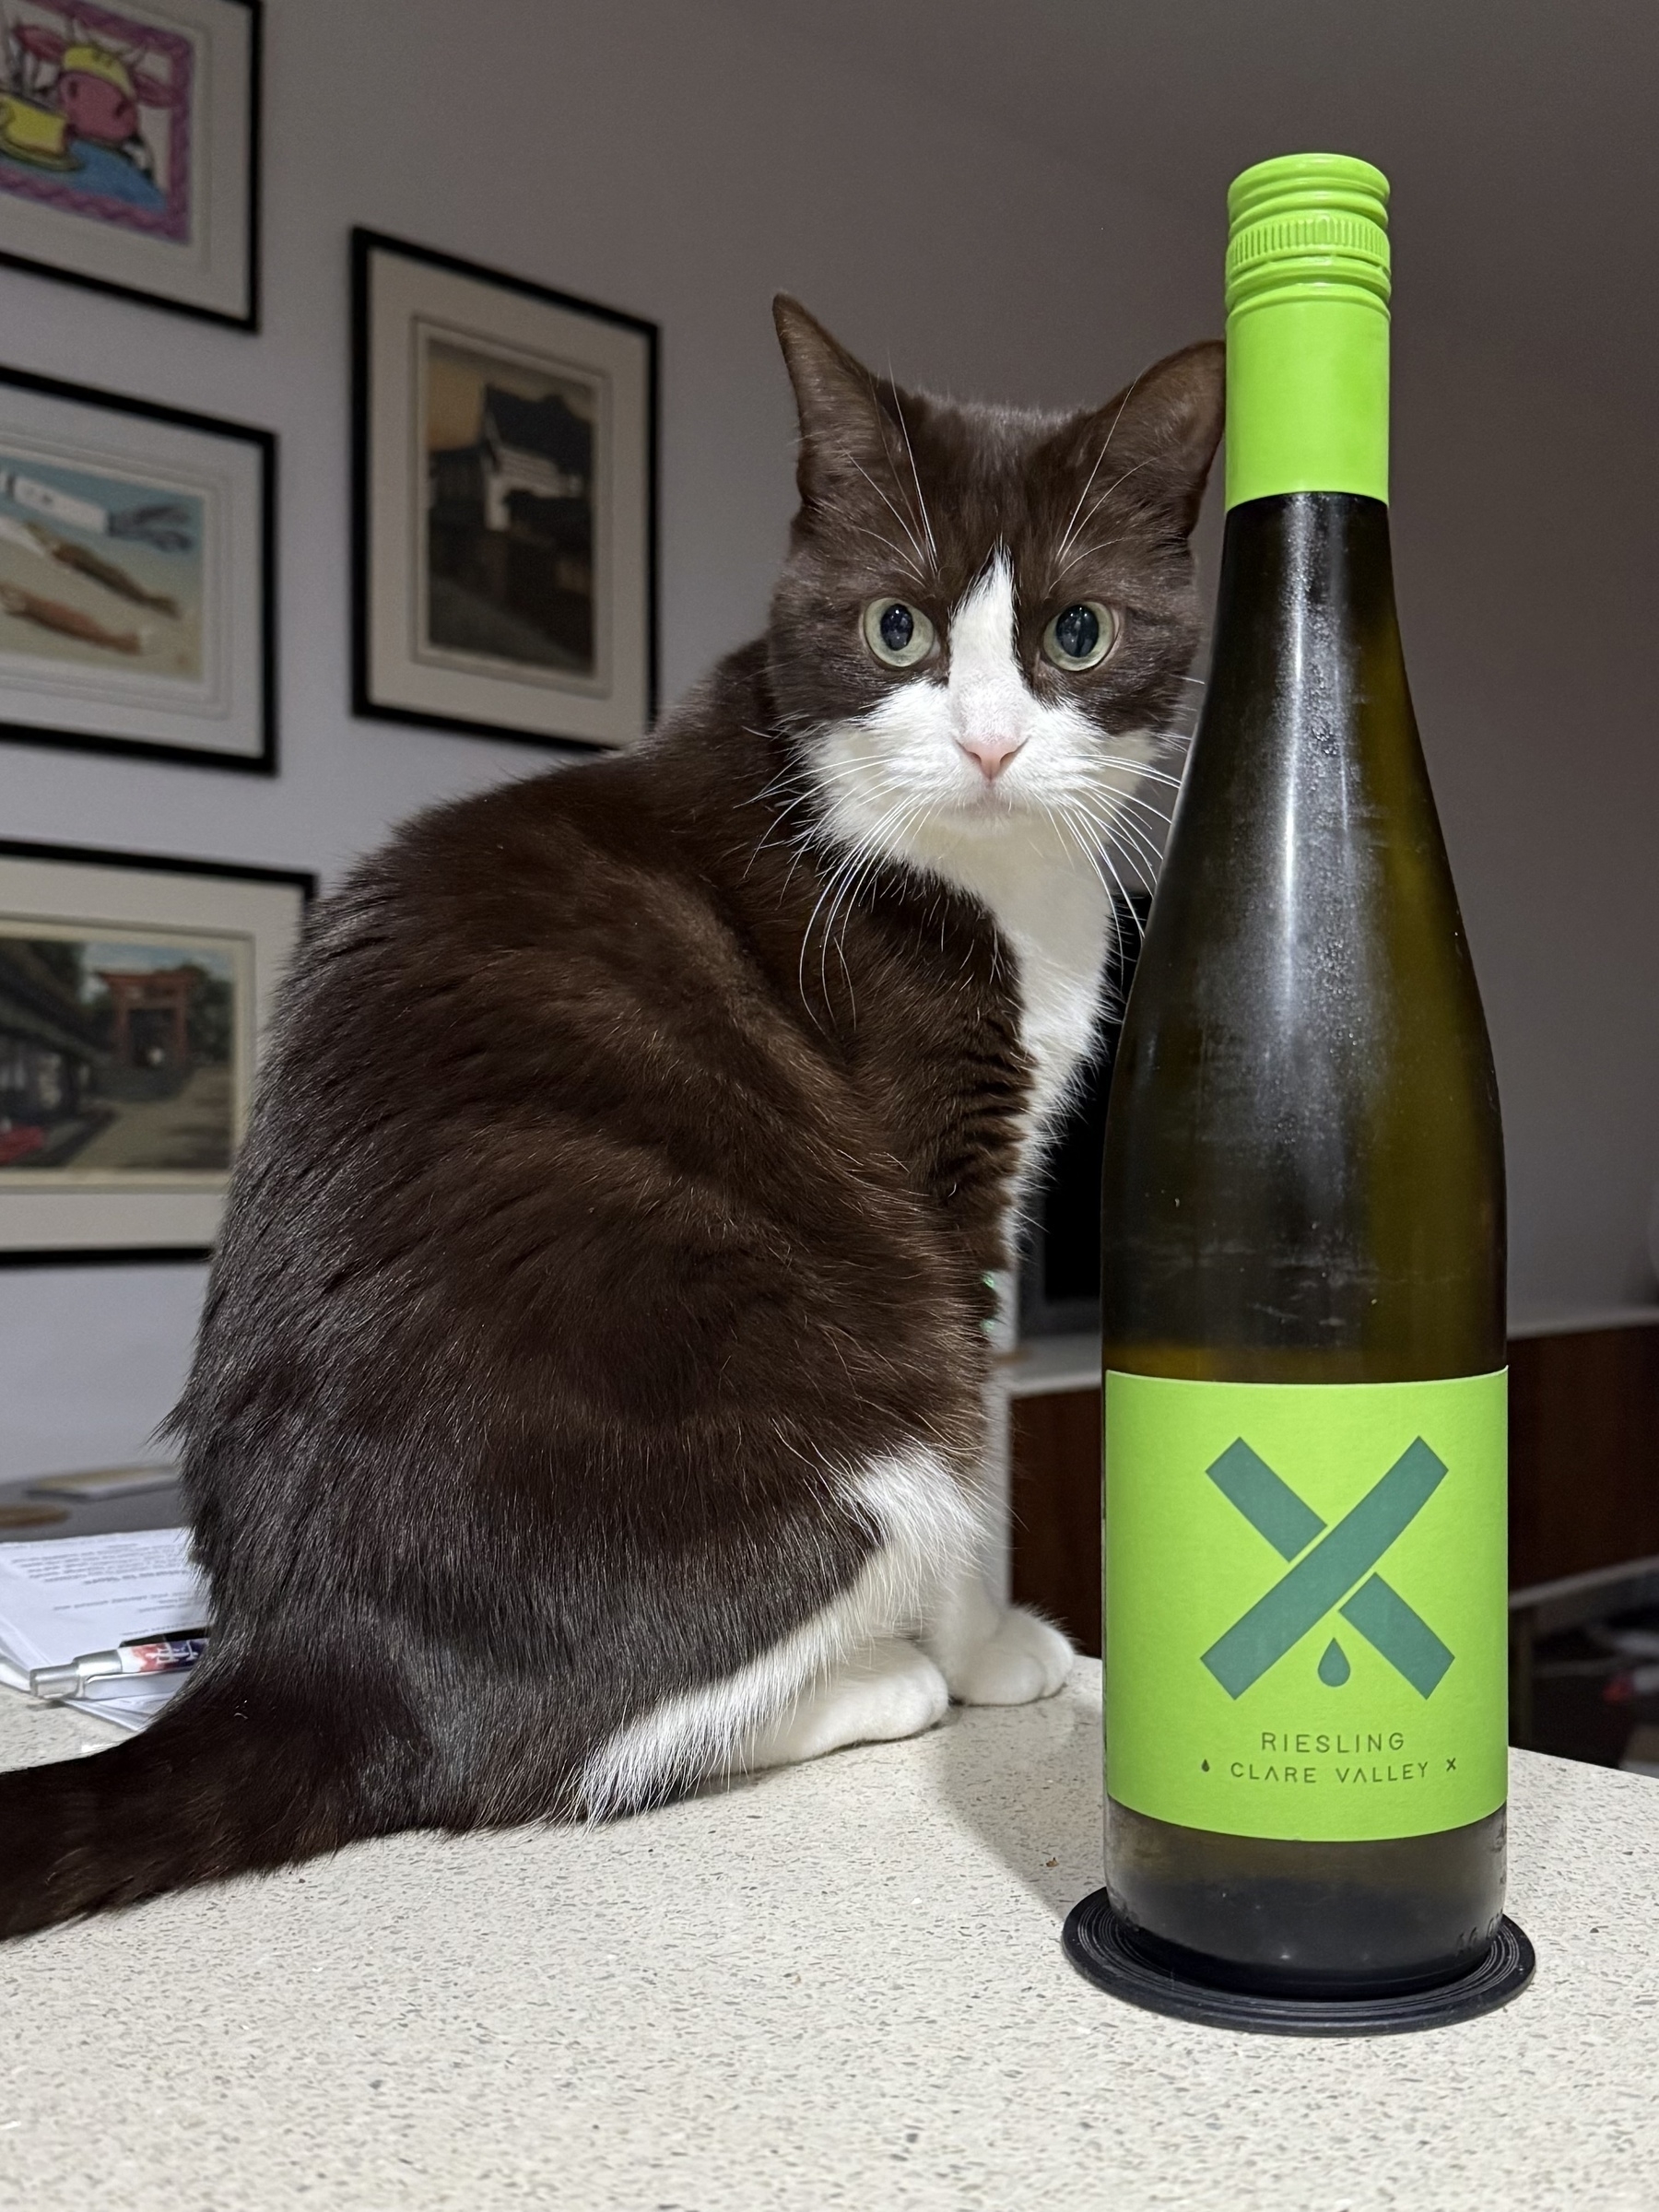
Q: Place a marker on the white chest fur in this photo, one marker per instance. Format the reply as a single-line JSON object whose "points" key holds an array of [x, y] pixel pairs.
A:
{"points": [[1051, 911]]}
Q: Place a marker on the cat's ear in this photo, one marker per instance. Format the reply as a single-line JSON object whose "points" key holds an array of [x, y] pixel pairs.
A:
{"points": [[846, 413], [1159, 436]]}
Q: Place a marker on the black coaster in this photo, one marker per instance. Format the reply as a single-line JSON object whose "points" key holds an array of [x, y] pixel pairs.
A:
{"points": [[1103, 1947]]}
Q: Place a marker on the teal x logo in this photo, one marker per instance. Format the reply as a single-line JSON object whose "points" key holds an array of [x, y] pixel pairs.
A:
{"points": [[1330, 1563]]}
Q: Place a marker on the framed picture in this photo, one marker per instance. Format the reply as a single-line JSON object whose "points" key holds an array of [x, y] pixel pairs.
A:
{"points": [[129, 148], [505, 503], [134, 992], [136, 566]]}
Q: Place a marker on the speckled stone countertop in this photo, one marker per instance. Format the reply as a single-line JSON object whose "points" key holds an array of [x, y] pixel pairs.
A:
{"points": [[839, 1985]]}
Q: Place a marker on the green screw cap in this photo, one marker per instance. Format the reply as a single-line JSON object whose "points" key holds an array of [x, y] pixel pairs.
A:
{"points": [[1308, 279], [1307, 219]]}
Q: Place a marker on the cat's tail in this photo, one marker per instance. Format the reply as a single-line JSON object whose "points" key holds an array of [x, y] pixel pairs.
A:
{"points": [[230, 1779]]}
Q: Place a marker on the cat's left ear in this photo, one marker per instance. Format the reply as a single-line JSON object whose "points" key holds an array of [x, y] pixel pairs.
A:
{"points": [[849, 417], [1159, 436]]}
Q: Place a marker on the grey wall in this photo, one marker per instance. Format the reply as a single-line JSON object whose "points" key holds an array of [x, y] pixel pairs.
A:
{"points": [[676, 161], [1528, 569], [1019, 200]]}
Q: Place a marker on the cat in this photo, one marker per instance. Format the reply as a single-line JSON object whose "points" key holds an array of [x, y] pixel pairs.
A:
{"points": [[590, 1395]]}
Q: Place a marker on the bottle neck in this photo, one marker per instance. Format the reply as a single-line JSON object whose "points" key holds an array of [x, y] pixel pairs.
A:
{"points": [[1307, 393], [1307, 744], [1307, 657]]}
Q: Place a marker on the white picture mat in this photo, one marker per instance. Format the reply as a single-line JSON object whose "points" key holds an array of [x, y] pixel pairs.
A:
{"points": [[209, 270], [109, 898], [225, 713], [402, 292]]}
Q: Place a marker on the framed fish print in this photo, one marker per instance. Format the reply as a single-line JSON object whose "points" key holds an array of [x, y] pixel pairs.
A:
{"points": [[129, 148], [135, 993], [504, 503], [135, 578]]}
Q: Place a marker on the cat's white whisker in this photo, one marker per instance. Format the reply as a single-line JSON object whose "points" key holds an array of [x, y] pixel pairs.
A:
{"points": [[1141, 806], [1100, 836], [1141, 859], [1137, 849], [890, 546], [851, 873], [1121, 899], [1067, 563], [1094, 550], [1079, 835], [877, 857], [869, 479], [830, 891], [1067, 535], [917, 478], [1107, 810], [1143, 769]]}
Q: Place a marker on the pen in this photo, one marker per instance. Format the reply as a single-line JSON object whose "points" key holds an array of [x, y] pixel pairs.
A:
{"points": [[137, 1656]]}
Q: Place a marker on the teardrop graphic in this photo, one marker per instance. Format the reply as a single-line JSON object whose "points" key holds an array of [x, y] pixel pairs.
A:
{"points": [[1334, 1669], [1207, 1766]]}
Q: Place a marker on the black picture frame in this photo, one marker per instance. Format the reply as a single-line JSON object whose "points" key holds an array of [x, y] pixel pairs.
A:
{"points": [[247, 316], [264, 443], [301, 881], [365, 704]]}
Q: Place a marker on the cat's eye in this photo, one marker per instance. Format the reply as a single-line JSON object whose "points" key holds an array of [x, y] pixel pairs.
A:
{"points": [[899, 634], [1080, 636]]}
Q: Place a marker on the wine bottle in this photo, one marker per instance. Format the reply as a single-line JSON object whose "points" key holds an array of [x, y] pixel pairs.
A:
{"points": [[1303, 1234]]}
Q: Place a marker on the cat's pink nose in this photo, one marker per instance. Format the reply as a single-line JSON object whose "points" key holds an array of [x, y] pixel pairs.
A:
{"points": [[992, 754]]}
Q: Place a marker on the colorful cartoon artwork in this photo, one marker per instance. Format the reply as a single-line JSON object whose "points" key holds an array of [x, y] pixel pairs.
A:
{"points": [[95, 114]]}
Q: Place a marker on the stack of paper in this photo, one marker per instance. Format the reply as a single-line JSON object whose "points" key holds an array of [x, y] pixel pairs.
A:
{"points": [[62, 1598]]}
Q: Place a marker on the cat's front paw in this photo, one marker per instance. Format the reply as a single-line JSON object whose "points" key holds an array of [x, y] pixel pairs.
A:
{"points": [[887, 1690], [1021, 1660]]}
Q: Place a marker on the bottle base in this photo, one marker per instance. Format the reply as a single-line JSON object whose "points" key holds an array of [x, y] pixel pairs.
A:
{"points": [[1303, 1919], [1107, 1951]]}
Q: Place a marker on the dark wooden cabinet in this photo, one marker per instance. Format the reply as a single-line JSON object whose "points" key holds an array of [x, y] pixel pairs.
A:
{"points": [[1583, 1452], [1583, 1473], [1054, 1493]]}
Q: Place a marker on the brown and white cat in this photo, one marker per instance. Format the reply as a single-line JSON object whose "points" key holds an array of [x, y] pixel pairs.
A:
{"points": [[590, 1392]]}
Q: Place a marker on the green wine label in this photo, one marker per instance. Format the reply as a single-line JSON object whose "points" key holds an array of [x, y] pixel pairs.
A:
{"points": [[1306, 1605]]}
